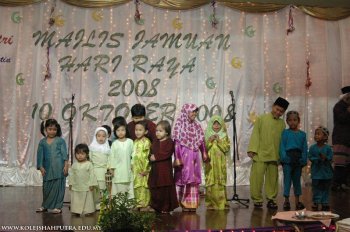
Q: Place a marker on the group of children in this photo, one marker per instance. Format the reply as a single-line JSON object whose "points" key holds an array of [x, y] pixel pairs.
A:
{"points": [[141, 161], [271, 144]]}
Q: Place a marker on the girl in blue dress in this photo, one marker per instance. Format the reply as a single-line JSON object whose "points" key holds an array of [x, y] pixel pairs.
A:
{"points": [[52, 161]]}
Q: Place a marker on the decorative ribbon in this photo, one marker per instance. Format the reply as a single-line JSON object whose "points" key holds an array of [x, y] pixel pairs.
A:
{"points": [[308, 82], [51, 23], [214, 21], [290, 21], [137, 16]]}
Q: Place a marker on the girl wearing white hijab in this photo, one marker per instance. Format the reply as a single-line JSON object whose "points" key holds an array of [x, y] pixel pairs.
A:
{"points": [[99, 153]]}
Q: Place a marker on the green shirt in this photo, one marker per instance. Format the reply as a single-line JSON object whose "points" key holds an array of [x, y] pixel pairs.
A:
{"points": [[81, 176], [120, 160], [266, 137]]}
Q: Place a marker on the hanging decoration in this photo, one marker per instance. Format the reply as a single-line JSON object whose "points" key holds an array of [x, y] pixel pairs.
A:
{"points": [[52, 19], [48, 70], [249, 31], [291, 27], [51, 23], [212, 18], [177, 24], [236, 62], [19, 79], [252, 117], [308, 82], [59, 21], [97, 15], [15, 17], [277, 88], [210, 83], [137, 17]]}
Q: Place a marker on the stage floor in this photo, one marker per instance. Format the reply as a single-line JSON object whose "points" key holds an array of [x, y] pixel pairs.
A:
{"points": [[18, 204]]}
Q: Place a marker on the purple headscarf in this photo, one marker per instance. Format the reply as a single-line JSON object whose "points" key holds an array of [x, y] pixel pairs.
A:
{"points": [[188, 133]]}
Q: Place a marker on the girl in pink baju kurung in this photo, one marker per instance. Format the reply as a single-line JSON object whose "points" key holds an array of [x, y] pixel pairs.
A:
{"points": [[189, 142]]}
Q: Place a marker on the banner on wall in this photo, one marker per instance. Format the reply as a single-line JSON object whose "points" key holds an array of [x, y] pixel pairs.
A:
{"points": [[109, 60], [109, 63]]}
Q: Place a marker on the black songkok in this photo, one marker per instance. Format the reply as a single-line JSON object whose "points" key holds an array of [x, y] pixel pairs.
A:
{"points": [[282, 103], [345, 89]]}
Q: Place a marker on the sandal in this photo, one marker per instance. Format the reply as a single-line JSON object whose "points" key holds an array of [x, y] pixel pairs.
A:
{"points": [[258, 204], [286, 205], [40, 210], [271, 205], [300, 206], [56, 211]]}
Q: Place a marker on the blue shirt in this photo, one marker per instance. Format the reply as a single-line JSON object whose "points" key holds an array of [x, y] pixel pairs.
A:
{"points": [[293, 140], [321, 169], [51, 157]]}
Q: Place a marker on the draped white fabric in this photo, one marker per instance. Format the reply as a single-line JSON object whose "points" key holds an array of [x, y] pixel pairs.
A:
{"points": [[110, 62]]}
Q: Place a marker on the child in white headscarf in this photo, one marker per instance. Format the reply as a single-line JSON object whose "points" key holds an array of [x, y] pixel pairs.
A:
{"points": [[99, 152]]}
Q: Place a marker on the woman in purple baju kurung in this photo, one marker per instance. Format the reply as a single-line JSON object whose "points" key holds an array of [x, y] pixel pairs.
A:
{"points": [[189, 142]]}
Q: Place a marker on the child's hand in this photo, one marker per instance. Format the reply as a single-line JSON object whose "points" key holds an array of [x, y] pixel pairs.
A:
{"points": [[43, 171], [91, 188], [65, 169], [152, 158], [213, 137], [70, 187], [111, 171], [205, 157], [251, 154], [323, 157]]}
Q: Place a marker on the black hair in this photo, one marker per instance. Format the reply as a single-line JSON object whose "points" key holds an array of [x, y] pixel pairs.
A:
{"points": [[324, 130], [143, 123], [50, 122], [82, 147], [292, 112], [120, 121], [138, 110], [166, 126], [114, 120], [108, 128]]}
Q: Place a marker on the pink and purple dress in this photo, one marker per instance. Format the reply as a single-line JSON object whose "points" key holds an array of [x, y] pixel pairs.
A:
{"points": [[189, 142]]}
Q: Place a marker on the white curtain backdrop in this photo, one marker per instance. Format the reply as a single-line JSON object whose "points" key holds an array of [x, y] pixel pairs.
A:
{"points": [[110, 62]]}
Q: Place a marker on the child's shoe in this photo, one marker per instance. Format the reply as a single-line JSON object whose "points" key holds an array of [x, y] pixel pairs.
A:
{"points": [[258, 205], [56, 211], [40, 210], [286, 206], [299, 206], [271, 205]]}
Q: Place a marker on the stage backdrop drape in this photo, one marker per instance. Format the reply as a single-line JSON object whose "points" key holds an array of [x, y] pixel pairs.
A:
{"points": [[111, 59], [323, 9]]}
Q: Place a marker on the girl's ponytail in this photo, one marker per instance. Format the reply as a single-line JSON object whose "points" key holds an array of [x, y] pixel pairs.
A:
{"points": [[42, 128]]}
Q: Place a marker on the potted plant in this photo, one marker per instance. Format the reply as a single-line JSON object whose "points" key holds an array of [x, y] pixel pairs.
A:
{"points": [[117, 214]]}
